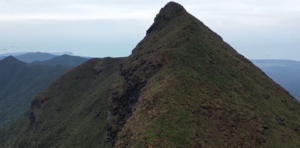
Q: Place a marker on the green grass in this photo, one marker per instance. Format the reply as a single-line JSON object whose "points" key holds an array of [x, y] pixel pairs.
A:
{"points": [[19, 83], [76, 113], [195, 91], [205, 95]]}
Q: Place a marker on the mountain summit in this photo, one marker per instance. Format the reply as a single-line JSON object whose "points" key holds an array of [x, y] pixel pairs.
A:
{"points": [[182, 86], [171, 11], [11, 61]]}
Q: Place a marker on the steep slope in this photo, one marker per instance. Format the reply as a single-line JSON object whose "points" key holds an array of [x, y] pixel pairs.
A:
{"points": [[19, 83], [62, 60], [73, 110], [284, 72], [194, 90], [182, 86]]}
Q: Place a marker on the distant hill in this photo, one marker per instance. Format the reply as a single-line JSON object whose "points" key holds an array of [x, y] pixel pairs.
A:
{"points": [[62, 60], [19, 82], [61, 53], [3, 55], [183, 86], [29, 57], [35, 56], [284, 72]]}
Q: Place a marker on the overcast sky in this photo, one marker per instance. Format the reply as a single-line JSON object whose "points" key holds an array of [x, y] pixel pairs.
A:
{"points": [[255, 28]]}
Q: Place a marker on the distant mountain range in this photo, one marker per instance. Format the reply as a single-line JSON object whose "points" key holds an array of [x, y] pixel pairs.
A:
{"points": [[20, 53], [62, 60], [20, 81], [37, 56], [284, 72], [29, 57]]}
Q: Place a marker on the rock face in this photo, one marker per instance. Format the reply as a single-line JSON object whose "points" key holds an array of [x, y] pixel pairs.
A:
{"points": [[182, 86], [125, 96]]}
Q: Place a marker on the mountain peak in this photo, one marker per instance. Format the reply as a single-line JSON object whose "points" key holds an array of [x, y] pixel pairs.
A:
{"points": [[169, 12], [10, 58], [11, 61], [173, 7], [182, 86]]}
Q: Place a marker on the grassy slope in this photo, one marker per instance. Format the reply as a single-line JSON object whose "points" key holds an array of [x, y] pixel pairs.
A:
{"points": [[71, 112], [196, 91], [284, 72], [19, 83], [206, 94]]}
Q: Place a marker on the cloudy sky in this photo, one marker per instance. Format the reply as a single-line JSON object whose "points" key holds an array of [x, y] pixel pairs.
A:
{"points": [[255, 28]]}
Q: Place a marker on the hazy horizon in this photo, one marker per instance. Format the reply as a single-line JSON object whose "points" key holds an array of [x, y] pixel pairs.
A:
{"points": [[256, 29]]}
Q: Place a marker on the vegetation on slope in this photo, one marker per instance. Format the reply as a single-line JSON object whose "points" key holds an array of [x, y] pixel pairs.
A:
{"points": [[199, 92], [183, 86], [71, 112], [19, 83], [283, 72]]}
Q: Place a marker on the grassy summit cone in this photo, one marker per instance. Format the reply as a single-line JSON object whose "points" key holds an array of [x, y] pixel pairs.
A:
{"points": [[182, 86]]}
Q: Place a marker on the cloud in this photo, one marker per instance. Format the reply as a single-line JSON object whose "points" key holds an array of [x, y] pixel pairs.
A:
{"points": [[114, 27], [219, 14], [142, 9], [72, 10]]}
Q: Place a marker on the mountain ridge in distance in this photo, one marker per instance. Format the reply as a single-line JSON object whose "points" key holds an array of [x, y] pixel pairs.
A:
{"points": [[62, 60], [20, 53], [11, 60], [19, 82], [182, 86], [29, 57]]}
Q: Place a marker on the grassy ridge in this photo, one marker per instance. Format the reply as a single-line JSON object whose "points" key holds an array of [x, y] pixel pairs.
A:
{"points": [[284, 72], [19, 83], [183, 86], [206, 94], [72, 111]]}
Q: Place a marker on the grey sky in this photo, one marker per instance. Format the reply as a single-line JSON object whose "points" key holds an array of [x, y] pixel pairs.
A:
{"points": [[255, 28]]}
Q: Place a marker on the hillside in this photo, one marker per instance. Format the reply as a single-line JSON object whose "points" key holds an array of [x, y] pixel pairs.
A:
{"points": [[62, 60], [77, 115], [182, 86], [283, 72], [19, 83]]}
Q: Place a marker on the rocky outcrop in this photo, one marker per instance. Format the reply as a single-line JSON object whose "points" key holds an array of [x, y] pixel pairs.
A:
{"points": [[125, 96]]}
